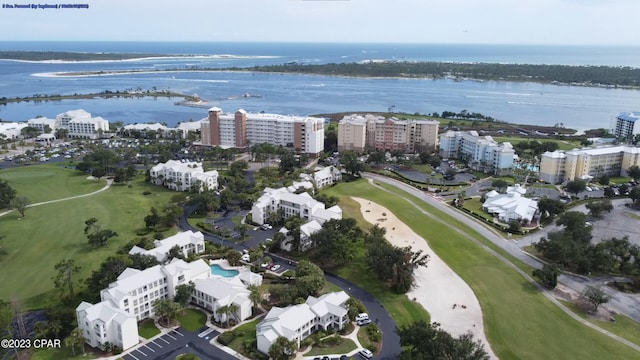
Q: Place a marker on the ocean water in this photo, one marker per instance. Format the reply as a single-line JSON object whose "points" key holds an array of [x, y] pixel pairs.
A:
{"points": [[543, 104]]}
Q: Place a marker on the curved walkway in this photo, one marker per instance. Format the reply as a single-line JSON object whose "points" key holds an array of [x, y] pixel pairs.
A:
{"points": [[471, 222], [107, 186]]}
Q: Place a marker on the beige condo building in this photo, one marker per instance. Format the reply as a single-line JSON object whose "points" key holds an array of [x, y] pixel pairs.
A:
{"points": [[559, 166], [370, 132]]}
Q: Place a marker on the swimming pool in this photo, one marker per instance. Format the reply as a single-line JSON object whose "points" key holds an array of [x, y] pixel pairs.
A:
{"points": [[217, 270]]}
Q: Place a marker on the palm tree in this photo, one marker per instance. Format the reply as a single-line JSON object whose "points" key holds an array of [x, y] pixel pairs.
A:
{"points": [[254, 296], [233, 311], [75, 339], [223, 312]]}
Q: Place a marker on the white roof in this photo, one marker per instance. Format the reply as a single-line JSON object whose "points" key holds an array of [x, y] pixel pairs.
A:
{"points": [[310, 228], [103, 311], [162, 247], [285, 321], [76, 113], [154, 126], [224, 290], [511, 205]]}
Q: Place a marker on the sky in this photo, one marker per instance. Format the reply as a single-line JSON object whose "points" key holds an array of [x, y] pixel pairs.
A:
{"points": [[544, 22]]}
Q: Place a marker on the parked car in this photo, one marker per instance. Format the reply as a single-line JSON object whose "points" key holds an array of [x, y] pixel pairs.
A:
{"points": [[275, 267], [362, 316], [365, 353], [363, 322]]}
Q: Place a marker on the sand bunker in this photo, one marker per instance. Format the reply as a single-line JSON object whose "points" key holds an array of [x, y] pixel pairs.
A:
{"points": [[448, 299]]}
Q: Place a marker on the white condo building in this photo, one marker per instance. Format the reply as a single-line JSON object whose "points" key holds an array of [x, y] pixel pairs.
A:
{"points": [[136, 290], [103, 323], [189, 243], [290, 204], [624, 125], [12, 130], [131, 297], [362, 132], [323, 177], [297, 322], [560, 166], [180, 176], [88, 128], [242, 129], [41, 123], [482, 153], [81, 125]]}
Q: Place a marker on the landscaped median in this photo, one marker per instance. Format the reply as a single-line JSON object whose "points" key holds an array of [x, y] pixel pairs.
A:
{"points": [[520, 322]]}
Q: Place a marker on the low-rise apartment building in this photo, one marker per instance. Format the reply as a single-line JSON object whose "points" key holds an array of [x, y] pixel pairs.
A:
{"points": [[323, 177], [243, 129], [181, 176], [135, 291], [189, 242], [42, 123], [561, 166], [297, 322], [287, 204], [481, 153], [371, 132], [103, 323]]}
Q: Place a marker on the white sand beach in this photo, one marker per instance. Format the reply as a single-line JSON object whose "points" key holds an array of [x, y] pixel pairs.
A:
{"points": [[448, 299]]}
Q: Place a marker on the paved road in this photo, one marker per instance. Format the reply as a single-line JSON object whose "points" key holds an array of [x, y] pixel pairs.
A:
{"points": [[512, 248]]}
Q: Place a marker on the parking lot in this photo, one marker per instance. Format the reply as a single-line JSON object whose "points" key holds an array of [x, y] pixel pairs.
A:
{"points": [[179, 341]]}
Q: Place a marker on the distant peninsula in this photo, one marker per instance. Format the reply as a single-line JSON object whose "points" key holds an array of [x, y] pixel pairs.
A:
{"points": [[128, 93], [601, 76], [75, 56], [593, 76]]}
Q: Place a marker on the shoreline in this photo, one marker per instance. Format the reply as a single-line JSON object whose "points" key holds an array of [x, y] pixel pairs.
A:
{"points": [[449, 300], [142, 58]]}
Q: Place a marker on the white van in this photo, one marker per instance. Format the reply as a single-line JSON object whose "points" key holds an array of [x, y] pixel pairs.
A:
{"points": [[365, 353], [362, 316]]}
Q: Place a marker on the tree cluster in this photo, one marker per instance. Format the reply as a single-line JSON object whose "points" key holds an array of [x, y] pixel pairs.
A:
{"points": [[309, 280], [7, 193], [336, 242], [571, 249], [535, 148], [588, 75], [424, 341], [96, 235], [392, 264]]}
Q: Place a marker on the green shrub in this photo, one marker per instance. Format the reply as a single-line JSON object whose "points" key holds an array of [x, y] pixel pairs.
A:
{"points": [[145, 193], [226, 338]]}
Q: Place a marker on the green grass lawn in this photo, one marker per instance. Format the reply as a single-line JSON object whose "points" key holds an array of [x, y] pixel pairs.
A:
{"points": [[520, 322], [192, 319], [53, 232], [562, 144], [49, 182], [147, 329], [344, 347], [475, 205], [624, 326], [248, 332]]}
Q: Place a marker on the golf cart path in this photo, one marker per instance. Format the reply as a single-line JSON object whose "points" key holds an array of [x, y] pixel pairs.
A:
{"points": [[439, 205], [107, 186]]}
